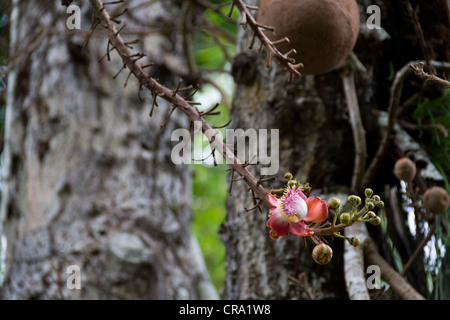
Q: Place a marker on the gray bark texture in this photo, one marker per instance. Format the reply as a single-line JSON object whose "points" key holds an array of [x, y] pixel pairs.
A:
{"points": [[91, 182], [257, 266]]}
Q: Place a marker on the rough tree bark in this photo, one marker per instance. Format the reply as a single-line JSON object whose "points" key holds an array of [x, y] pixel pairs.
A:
{"points": [[312, 140], [91, 182], [316, 146]]}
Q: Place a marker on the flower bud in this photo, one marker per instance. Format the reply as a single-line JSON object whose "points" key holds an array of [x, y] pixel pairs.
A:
{"points": [[368, 193], [370, 206], [369, 215], [291, 183], [436, 200], [322, 253], [274, 235], [375, 221], [380, 204], [334, 203], [354, 241], [288, 176], [344, 218], [354, 200], [405, 169]]}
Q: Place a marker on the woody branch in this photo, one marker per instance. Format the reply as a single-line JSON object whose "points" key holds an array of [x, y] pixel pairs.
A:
{"points": [[158, 90]]}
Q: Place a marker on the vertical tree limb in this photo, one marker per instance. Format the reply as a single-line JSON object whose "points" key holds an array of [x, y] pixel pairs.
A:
{"points": [[396, 91], [399, 285], [419, 249], [355, 280], [359, 134], [7, 154]]}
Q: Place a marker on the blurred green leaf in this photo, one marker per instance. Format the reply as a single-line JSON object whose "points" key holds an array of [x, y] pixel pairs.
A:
{"points": [[208, 49], [209, 186], [436, 111]]}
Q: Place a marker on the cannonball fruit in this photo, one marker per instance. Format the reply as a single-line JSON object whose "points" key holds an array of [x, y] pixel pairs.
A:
{"points": [[436, 200], [322, 253], [323, 32], [405, 169]]}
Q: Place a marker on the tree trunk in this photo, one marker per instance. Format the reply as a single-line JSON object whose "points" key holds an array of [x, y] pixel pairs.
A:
{"points": [[313, 135], [90, 181], [316, 146]]}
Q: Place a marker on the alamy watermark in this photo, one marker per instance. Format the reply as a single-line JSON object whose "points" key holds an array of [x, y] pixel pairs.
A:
{"points": [[74, 20], [251, 146], [374, 20], [374, 280], [74, 280]]}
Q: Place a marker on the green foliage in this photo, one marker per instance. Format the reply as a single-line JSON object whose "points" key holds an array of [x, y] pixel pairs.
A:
{"points": [[211, 47], [209, 185], [214, 44], [208, 54], [436, 112], [210, 189]]}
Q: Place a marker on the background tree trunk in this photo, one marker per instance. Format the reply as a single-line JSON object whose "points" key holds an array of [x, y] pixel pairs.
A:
{"points": [[314, 137], [316, 146], [91, 182]]}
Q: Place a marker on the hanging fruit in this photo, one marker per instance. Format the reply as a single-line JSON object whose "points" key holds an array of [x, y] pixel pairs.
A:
{"points": [[323, 32], [436, 200]]}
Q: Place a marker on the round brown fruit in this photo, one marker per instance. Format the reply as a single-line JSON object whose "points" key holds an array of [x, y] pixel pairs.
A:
{"points": [[405, 169], [436, 200], [323, 32]]}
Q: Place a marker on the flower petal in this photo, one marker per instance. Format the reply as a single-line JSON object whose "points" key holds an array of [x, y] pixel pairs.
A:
{"points": [[317, 209], [299, 228], [278, 224], [272, 199], [301, 194], [293, 205]]}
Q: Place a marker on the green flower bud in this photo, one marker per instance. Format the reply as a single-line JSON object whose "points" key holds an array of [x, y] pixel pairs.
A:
{"points": [[376, 199], [370, 206], [305, 187], [380, 204], [369, 215], [322, 253], [375, 221], [334, 203], [354, 241], [288, 176], [344, 218], [354, 200], [368, 192], [291, 183]]}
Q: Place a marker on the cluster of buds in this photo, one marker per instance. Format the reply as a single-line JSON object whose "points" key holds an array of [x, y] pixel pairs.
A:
{"points": [[355, 215], [366, 212], [295, 213], [295, 184]]}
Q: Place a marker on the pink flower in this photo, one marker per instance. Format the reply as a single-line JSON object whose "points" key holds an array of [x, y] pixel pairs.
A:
{"points": [[292, 211]]}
